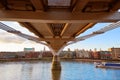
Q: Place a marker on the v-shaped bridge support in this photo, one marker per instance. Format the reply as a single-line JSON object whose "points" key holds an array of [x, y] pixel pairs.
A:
{"points": [[56, 49]]}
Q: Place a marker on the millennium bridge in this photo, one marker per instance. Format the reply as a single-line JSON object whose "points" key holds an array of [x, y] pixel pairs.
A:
{"points": [[57, 23]]}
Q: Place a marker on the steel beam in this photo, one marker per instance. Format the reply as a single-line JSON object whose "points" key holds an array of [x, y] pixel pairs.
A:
{"points": [[58, 17], [80, 4], [38, 4], [95, 33]]}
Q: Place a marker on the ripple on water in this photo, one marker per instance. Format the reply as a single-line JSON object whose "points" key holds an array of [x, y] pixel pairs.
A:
{"points": [[41, 70]]}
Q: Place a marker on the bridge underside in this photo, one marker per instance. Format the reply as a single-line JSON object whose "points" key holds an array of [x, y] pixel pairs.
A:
{"points": [[59, 21]]}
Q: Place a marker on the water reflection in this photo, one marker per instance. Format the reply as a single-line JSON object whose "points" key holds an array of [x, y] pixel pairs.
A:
{"points": [[56, 75], [41, 70], [26, 71]]}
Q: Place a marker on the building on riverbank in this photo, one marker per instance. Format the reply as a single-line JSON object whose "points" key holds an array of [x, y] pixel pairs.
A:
{"points": [[86, 54], [6, 55], [22, 54], [115, 52]]}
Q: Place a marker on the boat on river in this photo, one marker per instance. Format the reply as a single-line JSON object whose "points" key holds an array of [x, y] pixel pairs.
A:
{"points": [[107, 65]]}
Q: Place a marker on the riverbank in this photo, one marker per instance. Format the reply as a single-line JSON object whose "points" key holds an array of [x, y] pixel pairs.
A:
{"points": [[25, 59], [62, 59], [92, 60]]}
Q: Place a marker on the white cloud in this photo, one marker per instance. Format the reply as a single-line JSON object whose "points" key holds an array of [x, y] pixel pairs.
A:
{"points": [[17, 26], [10, 38], [11, 42]]}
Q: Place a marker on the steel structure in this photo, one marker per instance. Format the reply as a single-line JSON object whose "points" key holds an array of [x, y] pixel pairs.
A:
{"points": [[32, 38], [58, 22]]}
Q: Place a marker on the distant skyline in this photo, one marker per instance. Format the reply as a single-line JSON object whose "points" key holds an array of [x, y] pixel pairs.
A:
{"points": [[11, 42]]}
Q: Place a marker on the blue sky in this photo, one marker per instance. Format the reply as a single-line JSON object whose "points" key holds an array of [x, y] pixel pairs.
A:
{"points": [[102, 41], [11, 42]]}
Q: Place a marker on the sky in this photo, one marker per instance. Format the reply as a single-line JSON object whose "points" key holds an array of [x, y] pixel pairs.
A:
{"points": [[11, 42]]}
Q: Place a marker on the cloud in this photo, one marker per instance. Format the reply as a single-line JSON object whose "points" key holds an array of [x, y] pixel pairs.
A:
{"points": [[18, 27], [10, 38]]}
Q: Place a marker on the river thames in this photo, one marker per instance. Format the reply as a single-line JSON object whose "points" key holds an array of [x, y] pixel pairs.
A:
{"points": [[41, 70]]}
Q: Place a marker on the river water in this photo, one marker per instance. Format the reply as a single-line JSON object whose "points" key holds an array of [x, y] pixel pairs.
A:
{"points": [[41, 70]]}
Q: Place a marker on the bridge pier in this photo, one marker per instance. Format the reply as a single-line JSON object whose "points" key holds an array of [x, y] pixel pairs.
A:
{"points": [[56, 65], [56, 74]]}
